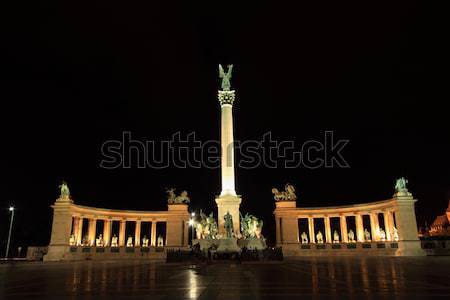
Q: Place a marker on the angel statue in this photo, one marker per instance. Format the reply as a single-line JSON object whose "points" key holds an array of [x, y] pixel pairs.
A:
{"points": [[64, 190], [226, 85]]}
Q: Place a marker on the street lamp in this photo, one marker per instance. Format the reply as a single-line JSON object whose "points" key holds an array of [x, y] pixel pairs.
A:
{"points": [[11, 209]]}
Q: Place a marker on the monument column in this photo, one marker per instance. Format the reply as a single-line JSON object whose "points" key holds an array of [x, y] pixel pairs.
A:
{"points": [[312, 237], [153, 234], [122, 233], [359, 228], [327, 229], [344, 233], [228, 201], [278, 229], [137, 234]]}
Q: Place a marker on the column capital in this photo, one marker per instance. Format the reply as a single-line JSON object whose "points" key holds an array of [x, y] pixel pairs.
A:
{"points": [[226, 97]]}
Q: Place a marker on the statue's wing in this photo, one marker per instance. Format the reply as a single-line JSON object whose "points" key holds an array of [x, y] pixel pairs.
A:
{"points": [[221, 71], [230, 69]]}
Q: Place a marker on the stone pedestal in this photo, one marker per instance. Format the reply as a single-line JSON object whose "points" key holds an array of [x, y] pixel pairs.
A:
{"points": [[177, 226], [228, 245], [405, 217], [228, 203], [61, 229], [253, 244]]}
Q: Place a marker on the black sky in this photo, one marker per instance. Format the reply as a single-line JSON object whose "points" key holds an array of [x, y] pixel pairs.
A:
{"points": [[74, 75]]}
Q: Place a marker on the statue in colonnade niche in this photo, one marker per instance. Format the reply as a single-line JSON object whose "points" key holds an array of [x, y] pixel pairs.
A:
{"points": [[319, 237], [160, 241], [287, 195], [145, 241], [382, 235], [335, 237], [395, 234], [130, 241], [72, 240], [351, 236], [367, 235], [99, 241], [114, 242], [228, 225], [304, 237]]}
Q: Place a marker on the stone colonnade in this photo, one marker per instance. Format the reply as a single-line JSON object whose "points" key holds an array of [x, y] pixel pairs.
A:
{"points": [[398, 216], [67, 228]]}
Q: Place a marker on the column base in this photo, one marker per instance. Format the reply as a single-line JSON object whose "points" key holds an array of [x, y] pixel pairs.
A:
{"points": [[410, 248], [56, 253]]}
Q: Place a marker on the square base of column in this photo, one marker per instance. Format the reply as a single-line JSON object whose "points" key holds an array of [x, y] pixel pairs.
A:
{"points": [[410, 248], [56, 253]]}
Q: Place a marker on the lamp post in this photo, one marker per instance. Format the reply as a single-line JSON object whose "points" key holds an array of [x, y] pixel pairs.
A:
{"points": [[11, 209]]}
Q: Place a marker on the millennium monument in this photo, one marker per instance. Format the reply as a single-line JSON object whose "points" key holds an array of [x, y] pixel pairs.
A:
{"points": [[385, 227]]}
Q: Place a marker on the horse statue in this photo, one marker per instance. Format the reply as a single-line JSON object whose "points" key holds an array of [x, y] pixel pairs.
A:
{"points": [[287, 195]]}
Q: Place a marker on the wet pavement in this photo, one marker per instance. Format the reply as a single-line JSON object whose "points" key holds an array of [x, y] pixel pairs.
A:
{"points": [[334, 277]]}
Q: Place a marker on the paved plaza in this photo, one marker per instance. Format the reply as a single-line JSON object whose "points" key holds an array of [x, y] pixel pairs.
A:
{"points": [[333, 277]]}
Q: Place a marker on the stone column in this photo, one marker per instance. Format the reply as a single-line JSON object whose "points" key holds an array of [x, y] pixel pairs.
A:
{"points": [[153, 234], [76, 224], [137, 234], [312, 236], [327, 229], [61, 229], [107, 226], [359, 228], [344, 229], [80, 231], [122, 233], [387, 226], [228, 201], [374, 227], [92, 227]]}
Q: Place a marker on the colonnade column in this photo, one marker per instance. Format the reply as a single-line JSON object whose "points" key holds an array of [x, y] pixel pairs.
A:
{"points": [[312, 238], [327, 229], [359, 228], [387, 225], [344, 233], [79, 231], [122, 233], [91, 235], [153, 233], [76, 223], [137, 234], [374, 226], [107, 232]]}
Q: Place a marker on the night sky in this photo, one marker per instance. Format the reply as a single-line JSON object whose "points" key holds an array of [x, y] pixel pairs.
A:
{"points": [[74, 75]]}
